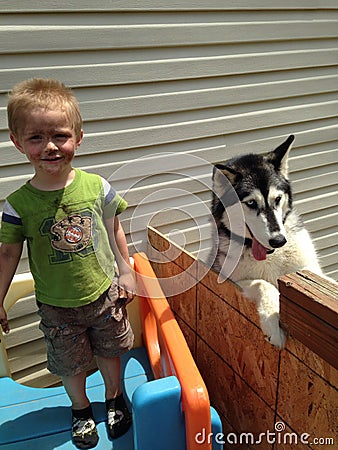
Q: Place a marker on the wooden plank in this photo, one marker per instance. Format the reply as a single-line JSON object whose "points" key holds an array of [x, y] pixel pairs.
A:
{"points": [[307, 400], [307, 286], [309, 312]]}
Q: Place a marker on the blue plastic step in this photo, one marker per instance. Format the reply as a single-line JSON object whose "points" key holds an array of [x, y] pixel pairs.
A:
{"points": [[41, 418]]}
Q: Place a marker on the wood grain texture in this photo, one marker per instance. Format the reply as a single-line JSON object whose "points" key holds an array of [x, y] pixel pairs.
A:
{"points": [[309, 312], [252, 385]]}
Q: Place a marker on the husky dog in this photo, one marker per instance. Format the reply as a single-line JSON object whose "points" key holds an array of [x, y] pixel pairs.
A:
{"points": [[273, 241]]}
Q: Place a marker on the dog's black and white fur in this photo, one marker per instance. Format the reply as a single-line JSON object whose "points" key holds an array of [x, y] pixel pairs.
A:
{"points": [[271, 242]]}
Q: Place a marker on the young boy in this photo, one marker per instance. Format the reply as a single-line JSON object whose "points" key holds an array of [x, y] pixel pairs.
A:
{"points": [[69, 219]]}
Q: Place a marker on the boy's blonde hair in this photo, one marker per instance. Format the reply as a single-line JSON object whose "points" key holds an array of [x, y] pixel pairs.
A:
{"points": [[42, 93]]}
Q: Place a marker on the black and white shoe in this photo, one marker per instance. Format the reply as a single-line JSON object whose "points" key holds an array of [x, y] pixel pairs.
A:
{"points": [[119, 418], [84, 433]]}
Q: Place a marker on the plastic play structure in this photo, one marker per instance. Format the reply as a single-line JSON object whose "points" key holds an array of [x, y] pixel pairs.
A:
{"points": [[169, 400]]}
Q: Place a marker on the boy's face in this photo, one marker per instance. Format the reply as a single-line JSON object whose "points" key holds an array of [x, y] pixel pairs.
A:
{"points": [[48, 141]]}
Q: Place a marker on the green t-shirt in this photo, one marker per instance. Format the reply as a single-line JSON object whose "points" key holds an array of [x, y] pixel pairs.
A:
{"points": [[68, 246]]}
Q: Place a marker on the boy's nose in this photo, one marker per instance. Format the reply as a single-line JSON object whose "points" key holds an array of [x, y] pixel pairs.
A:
{"points": [[51, 145]]}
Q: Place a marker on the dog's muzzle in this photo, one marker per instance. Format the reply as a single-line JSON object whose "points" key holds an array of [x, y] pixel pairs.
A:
{"points": [[277, 241]]}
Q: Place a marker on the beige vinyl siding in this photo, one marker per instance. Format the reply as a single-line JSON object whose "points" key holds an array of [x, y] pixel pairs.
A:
{"points": [[166, 88]]}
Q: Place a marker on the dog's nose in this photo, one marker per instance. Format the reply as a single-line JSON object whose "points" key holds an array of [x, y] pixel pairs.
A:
{"points": [[277, 241]]}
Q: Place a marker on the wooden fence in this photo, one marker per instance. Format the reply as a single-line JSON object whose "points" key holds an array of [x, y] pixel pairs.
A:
{"points": [[267, 399]]}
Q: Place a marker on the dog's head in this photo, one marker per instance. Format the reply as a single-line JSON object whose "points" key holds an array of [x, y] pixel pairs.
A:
{"points": [[260, 183]]}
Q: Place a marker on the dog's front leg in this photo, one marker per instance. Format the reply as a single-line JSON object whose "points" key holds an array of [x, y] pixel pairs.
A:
{"points": [[266, 297]]}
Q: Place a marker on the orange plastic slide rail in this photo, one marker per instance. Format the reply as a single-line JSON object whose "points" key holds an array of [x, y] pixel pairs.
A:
{"points": [[169, 353]]}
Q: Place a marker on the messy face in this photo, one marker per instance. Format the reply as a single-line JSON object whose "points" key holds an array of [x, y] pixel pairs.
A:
{"points": [[48, 140]]}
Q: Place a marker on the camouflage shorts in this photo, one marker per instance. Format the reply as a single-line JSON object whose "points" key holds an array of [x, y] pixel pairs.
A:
{"points": [[74, 335]]}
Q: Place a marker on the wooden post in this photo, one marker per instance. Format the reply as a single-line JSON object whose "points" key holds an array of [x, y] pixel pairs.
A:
{"points": [[309, 312]]}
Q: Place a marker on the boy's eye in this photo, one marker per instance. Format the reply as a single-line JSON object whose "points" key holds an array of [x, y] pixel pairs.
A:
{"points": [[36, 137], [61, 137]]}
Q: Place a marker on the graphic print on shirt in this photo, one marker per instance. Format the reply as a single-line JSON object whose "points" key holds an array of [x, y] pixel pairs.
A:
{"points": [[72, 234], [69, 236]]}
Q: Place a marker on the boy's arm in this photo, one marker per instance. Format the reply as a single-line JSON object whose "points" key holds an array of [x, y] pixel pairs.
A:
{"points": [[9, 259], [118, 244]]}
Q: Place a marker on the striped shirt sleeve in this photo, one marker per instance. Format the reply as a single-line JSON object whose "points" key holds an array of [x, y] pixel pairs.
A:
{"points": [[11, 225], [114, 204]]}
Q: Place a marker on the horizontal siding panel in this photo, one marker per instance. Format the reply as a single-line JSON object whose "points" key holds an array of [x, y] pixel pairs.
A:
{"points": [[310, 182], [189, 165], [322, 223], [199, 231], [206, 98], [332, 272], [324, 187], [320, 159], [317, 222], [216, 149], [161, 5], [167, 192], [176, 127], [191, 238], [185, 129], [157, 18], [326, 240], [168, 212], [328, 257], [200, 98], [133, 36], [175, 69], [251, 97], [318, 202]]}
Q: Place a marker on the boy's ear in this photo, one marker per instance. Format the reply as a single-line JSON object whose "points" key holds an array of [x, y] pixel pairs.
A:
{"points": [[79, 140], [16, 142]]}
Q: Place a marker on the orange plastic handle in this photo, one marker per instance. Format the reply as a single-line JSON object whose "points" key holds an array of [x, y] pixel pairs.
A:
{"points": [[169, 353]]}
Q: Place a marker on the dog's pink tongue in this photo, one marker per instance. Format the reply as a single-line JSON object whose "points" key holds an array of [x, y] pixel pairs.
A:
{"points": [[258, 251]]}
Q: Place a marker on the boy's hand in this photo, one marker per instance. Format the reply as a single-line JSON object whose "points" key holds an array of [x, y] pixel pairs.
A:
{"points": [[3, 320], [127, 286]]}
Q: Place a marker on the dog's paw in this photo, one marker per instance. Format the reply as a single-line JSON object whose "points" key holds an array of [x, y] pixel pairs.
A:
{"points": [[277, 339], [266, 297], [271, 329]]}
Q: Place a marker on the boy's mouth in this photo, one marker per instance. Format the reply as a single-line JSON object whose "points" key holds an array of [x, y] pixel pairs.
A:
{"points": [[53, 159]]}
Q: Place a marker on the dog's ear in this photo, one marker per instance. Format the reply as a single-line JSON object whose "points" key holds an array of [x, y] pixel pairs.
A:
{"points": [[279, 156], [224, 177], [220, 170]]}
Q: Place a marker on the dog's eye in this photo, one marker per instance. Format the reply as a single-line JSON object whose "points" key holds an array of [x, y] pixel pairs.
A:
{"points": [[252, 204], [278, 200]]}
